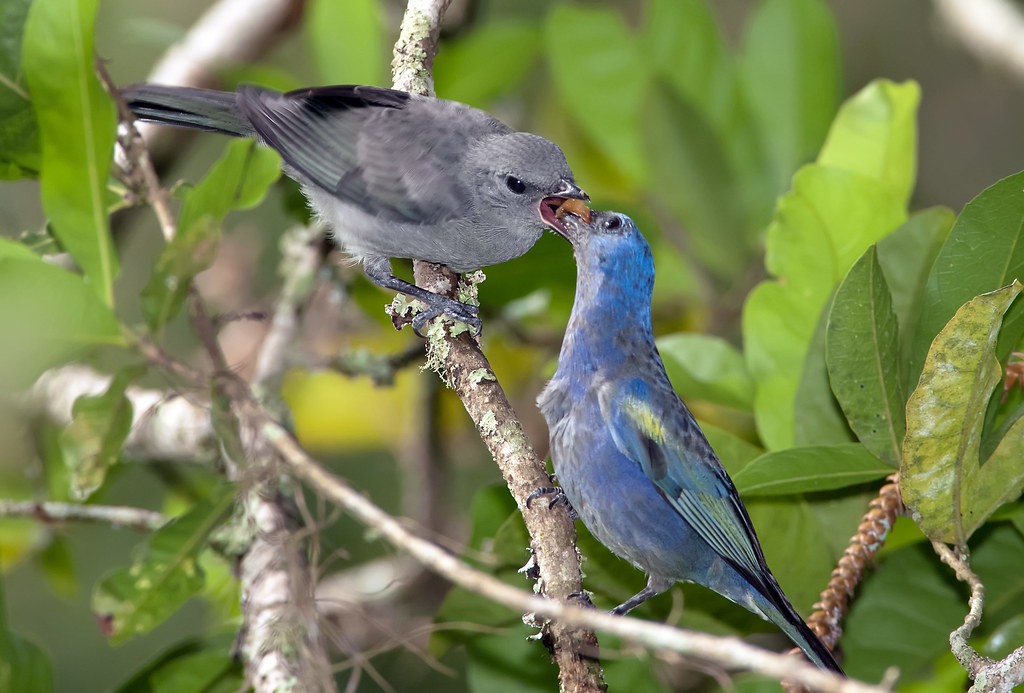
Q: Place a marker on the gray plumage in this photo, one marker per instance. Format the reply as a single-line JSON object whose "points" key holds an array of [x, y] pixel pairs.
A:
{"points": [[393, 174]]}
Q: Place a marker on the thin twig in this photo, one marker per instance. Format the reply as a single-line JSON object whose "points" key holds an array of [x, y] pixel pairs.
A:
{"points": [[52, 512]]}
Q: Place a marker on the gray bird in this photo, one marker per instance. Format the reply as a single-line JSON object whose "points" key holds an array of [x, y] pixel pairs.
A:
{"points": [[393, 174]]}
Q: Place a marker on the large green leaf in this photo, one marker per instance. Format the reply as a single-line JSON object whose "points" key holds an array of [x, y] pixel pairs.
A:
{"points": [[19, 135], [607, 103], [347, 40], [464, 69], [863, 356], [49, 316], [818, 418], [165, 573], [810, 469], [707, 367], [948, 487], [820, 228], [77, 131], [791, 76], [239, 180], [982, 253], [875, 134]]}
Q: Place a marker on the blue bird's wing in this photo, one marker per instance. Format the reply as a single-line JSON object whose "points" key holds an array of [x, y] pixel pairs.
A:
{"points": [[673, 453]]}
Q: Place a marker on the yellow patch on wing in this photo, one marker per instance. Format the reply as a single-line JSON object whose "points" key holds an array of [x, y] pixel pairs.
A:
{"points": [[646, 419]]}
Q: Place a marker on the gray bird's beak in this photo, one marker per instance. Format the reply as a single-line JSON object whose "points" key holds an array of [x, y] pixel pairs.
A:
{"points": [[567, 200]]}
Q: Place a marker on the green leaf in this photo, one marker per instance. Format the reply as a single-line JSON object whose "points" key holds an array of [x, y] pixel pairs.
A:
{"points": [[692, 176], [77, 131], [685, 46], [944, 482], [204, 664], [13, 249], [347, 40], [607, 103], [239, 180], [100, 424], [818, 418], [809, 470], [707, 367], [791, 75], [50, 317], [19, 134], [982, 253], [57, 565], [23, 666], [902, 616], [464, 68], [819, 230], [875, 134], [863, 356], [165, 573]]}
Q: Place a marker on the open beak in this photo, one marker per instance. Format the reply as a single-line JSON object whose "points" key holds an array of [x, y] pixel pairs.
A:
{"points": [[568, 199]]}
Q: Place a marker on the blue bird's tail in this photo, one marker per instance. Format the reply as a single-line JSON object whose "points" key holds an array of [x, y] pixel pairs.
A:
{"points": [[199, 109], [780, 612]]}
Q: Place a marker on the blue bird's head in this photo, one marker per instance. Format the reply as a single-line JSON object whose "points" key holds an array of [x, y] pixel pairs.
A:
{"points": [[613, 259]]}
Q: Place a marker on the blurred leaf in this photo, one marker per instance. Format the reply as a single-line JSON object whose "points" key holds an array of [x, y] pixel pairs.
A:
{"points": [[16, 250], [982, 253], [943, 480], [734, 452], [49, 317], [707, 367], [19, 134], [465, 68], [863, 355], [875, 134], [508, 661], [91, 443], [57, 564], [636, 671], [1004, 639], [164, 574], [791, 74], [691, 176], [998, 559], [902, 616], [77, 130], [906, 257], [239, 180], [205, 665], [810, 469], [685, 46], [347, 40], [23, 666], [601, 78]]}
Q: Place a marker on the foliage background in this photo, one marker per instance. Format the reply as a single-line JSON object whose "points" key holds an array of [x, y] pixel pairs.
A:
{"points": [[667, 148]]}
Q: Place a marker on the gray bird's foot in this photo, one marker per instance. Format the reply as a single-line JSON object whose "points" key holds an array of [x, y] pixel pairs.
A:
{"points": [[442, 305], [558, 498], [655, 586], [583, 597]]}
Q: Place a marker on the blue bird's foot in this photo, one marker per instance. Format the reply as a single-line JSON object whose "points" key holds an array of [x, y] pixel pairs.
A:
{"points": [[583, 598], [558, 498], [655, 586]]}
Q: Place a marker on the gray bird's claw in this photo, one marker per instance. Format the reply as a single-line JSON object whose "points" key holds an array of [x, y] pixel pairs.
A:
{"points": [[461, 312]]}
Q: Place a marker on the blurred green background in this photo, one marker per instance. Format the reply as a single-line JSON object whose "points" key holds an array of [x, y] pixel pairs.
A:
{"points": [[666, 146]]}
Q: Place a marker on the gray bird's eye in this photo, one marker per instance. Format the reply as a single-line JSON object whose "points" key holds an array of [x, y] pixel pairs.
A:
{"points": [[517, 186], [613, 224]]}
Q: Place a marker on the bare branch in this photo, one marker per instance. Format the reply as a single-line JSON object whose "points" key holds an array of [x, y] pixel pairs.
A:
{"points": [[993, 30], [53, 512]]}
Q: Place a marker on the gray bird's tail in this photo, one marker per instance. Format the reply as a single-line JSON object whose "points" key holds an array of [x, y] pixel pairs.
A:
{"points": [[186, 107]]}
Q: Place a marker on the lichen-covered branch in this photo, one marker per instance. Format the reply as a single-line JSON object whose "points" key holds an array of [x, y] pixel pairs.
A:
{"points": [[464, 368], [53, 513]]}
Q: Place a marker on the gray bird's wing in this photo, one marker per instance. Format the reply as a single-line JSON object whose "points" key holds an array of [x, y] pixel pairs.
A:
{"points": [[672, 451], [388, 152]]}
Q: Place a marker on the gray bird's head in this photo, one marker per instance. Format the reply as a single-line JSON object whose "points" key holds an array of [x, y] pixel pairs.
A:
{"points": [[522, 180]]}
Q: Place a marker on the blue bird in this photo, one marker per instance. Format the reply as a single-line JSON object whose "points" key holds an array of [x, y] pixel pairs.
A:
{"points": [[628, 455]]}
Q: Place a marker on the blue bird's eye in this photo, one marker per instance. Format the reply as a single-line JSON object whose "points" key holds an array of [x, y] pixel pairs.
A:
{"points": [[517, 186], [614, 223]]}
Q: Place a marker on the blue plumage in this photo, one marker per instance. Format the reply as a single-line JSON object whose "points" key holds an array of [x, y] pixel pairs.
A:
{"points": [[628, 454]]}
